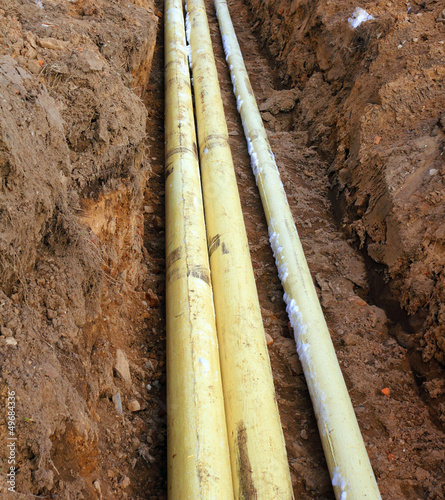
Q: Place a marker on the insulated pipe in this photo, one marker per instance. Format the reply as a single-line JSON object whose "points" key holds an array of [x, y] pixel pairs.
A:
{"points": [[197, 445], [258, 454], [348, 462]]}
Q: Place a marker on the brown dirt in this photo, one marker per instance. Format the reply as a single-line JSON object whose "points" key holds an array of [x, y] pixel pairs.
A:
{"points": [[82, 233], [75, 287], [372, 101]]}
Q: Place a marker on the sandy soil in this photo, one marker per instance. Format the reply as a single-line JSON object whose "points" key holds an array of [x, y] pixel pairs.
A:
{"points": [[82, 343]]}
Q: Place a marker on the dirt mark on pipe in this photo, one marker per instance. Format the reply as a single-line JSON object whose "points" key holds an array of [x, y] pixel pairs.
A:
{"points": [[247, 486]]}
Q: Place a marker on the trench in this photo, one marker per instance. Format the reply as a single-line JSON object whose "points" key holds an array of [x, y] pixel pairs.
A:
{"points": [[405, 329], [348, 288], [83, 330]]}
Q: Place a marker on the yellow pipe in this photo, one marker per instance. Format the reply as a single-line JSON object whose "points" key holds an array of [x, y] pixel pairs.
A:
{"points": [[198, 452], [258, 455], [348, 462]]}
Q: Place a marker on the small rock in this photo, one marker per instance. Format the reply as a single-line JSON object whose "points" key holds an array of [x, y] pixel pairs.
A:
{"points": [[303, 434], [90, 62], [152, 298], [31, 53], [31, 39], [441, 18], [422, 475], [433, 171], [125, 483], [13, 324], [122, 367], [267, 117], [158, 223], [149, 365], [11, 341], [7, 332], [269, 340], [148, 209], [295, 365], [51, 43], [118, 402], [51, 314], [349, 339], [97, 487], [134, 405], [144, 452], [34, 66], [436, 457]]}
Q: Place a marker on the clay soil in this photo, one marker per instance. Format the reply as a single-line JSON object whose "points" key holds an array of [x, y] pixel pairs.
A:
{"points": [[356, 120]]}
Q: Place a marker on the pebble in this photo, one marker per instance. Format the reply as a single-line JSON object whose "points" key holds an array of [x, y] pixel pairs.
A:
{"points": [[7, 332], [51, 314], [144, 452], [13, 324], [349, 339], [51, 43], [11, 341], [134, 405], [149, 365], [295, 365], [441, 18], [158, 223], [122, 367], [303, 434], [269, 340], [267, 117], [34, 66], [422, 475], [125, 483], [118, 402], [433, 171], [97, 487], [152, 298]]}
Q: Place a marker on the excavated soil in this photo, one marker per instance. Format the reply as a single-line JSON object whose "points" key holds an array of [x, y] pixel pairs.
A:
{"points": [[355, 117]]}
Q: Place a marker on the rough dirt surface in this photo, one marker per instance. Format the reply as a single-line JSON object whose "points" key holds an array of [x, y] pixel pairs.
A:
{"points": [[78, 299], [349, 113], [372, 101]]}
